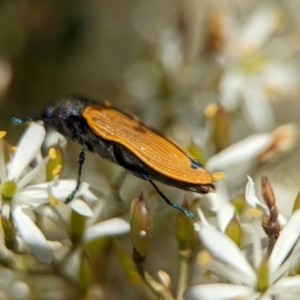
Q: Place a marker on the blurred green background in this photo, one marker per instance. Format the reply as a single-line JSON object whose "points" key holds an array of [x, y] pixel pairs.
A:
{"points": [[145, 56], [53, 48]]}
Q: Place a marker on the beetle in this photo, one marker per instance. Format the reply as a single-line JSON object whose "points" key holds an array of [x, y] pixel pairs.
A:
{"points": [[125, 140]]}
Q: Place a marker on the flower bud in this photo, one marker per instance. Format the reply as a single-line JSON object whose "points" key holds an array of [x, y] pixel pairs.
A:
{"points": [[221, 129], [141, 224], [85, 274], [8, 227], [268, 194], [262, 276], [220, 126], [283, 140], [216, 32], [78, 223], [239, 202], [197, 152], [234, 231], [184, 229], [5, 146]]}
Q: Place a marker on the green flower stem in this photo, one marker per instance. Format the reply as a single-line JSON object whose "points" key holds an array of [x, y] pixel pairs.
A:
{"points": [[183, 271]]}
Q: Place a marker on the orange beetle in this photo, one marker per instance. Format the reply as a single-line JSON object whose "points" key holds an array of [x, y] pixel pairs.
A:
{"points": [[125, 140]]}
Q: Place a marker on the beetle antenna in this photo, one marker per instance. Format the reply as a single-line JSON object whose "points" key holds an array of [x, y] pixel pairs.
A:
{"points": [[22, 121], [81, 160], [174, 205]]}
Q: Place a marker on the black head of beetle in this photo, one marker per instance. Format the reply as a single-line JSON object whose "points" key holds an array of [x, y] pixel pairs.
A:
{"points": [[65, 117], [71, 106]]}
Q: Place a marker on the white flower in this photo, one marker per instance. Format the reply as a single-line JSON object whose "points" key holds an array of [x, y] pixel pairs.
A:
{"points": [[252, 69], [236, 161], [25, 196], [27, 150], [237, 277], [241, 158]]}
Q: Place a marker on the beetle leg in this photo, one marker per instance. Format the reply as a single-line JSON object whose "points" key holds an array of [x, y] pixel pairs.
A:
{"points": [[81, 160], [169, 202], [174, 205]]}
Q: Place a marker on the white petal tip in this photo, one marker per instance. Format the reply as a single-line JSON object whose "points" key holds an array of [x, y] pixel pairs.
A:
{"points": [[81, 208]]}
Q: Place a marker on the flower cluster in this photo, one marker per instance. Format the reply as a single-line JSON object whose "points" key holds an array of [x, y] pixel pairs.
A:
{"points": [[250, 272], [35, 218]]}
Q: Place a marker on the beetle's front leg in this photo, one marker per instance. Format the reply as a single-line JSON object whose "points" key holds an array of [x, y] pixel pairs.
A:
{"points": [[81, 160]]}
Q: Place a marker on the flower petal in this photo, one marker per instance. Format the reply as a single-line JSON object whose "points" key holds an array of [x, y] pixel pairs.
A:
{"points": [[62, 189], [217, 292], [28, 147], [225, 250], [202, 219], [286, 241], [5, 210], [239, 156], [71, 263], [81, 208], [213, 201], [258, 26], [225, 214], [111, 227], [281, 76], [257, 247], [53, 138], [39, 192], [32, 174], [230, 86], [32, 235], [251, 198], [35, 195], [256, 107], [288, 264], [286, 286], [85, 192]]}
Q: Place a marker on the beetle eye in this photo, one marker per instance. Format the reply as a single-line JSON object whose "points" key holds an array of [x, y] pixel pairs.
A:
{"points": [[48, 112]]}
